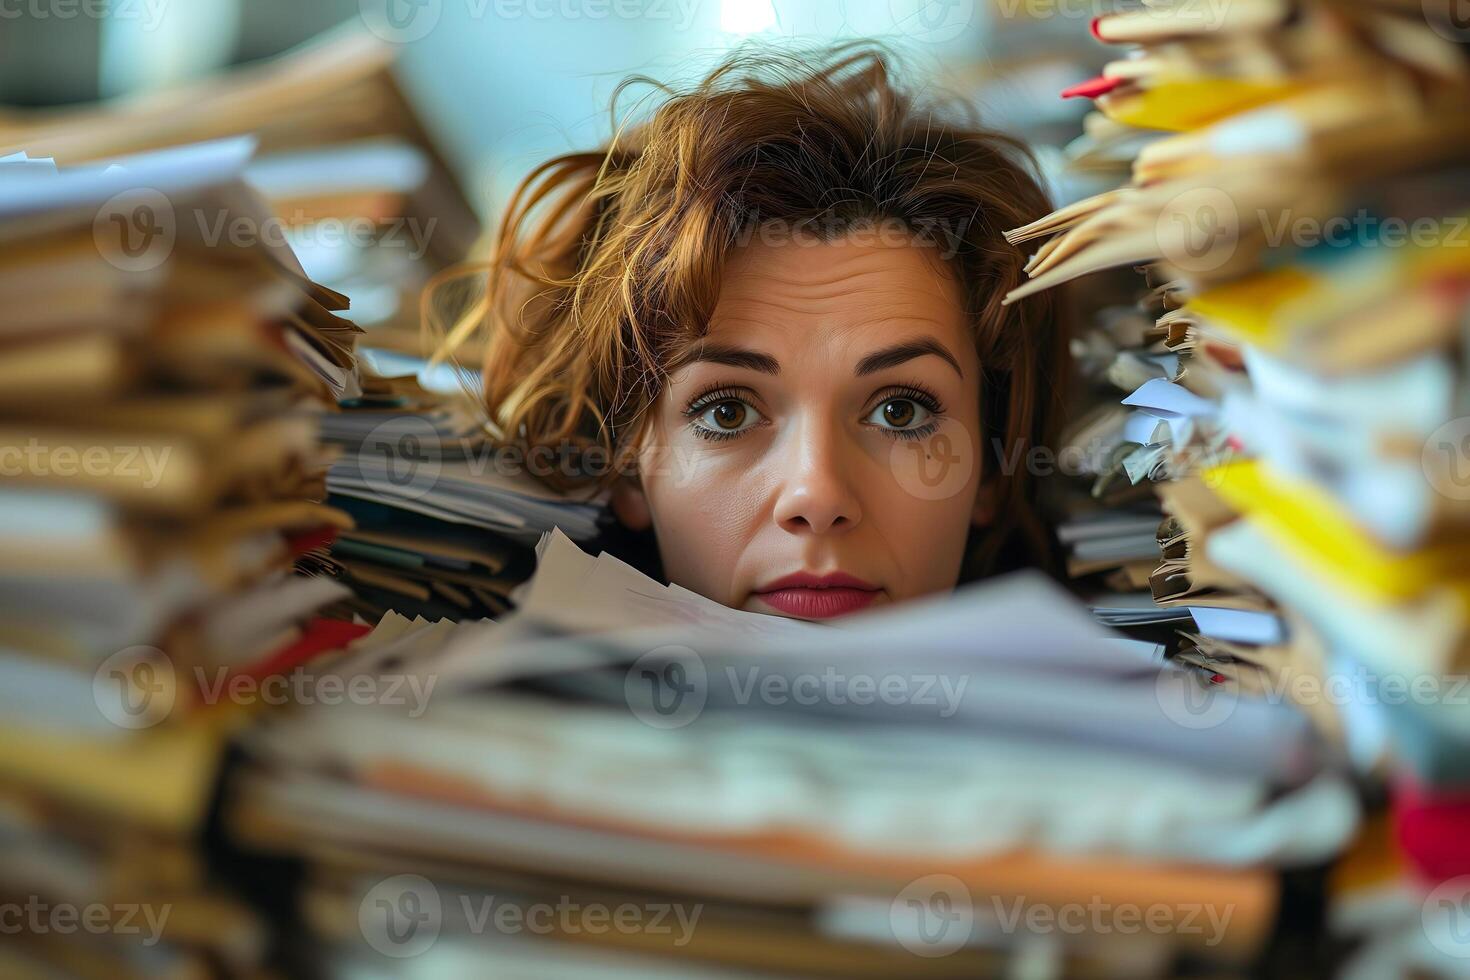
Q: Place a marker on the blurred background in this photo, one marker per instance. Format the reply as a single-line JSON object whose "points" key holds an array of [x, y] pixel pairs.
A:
{"points": [[455, 101], [503, 84]]}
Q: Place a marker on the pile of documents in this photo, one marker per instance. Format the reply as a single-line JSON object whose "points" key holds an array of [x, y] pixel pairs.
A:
{"points": [[354, 179], [445, 524], [159, 390], [629, 775], [1298, 395], [356, 188]]}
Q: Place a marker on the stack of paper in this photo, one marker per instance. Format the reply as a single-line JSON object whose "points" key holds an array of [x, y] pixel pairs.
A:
{"points": [[795, 798], [161, 472], [445, 525], [355, 181], [349, 182], [1302, 398]]}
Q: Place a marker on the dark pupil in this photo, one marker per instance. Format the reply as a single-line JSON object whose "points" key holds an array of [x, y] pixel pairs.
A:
{"points": [[729, 415], [899, 412]]}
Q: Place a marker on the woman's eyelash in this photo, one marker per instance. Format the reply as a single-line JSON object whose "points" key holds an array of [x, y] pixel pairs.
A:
{"points": [[714, 434], [919, 395], [912, 391], [923, 431], [713, 396]]}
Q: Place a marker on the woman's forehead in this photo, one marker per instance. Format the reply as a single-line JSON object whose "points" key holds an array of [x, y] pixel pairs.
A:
{"points": [[808, 266], [835, 295]]}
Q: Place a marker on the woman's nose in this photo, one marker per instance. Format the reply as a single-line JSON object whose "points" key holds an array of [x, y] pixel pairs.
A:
{"points": [[817, 493]]}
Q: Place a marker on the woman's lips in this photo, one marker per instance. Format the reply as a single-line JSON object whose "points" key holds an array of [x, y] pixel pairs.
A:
{"points": [[818, 596]]}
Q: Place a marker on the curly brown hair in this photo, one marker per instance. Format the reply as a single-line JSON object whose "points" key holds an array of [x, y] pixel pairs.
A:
{"points": [[608, 263]]}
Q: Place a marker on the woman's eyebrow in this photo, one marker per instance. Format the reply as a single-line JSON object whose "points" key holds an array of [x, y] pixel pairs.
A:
{"points": [[732, 356], [908, 350]]}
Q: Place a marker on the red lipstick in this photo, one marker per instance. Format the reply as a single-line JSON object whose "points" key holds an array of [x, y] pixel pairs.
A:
{"points": [[810, 596]]}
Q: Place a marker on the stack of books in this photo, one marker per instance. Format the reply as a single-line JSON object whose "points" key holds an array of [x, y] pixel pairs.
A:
{"points": [[1299, 199], [161, 473], [624, 775], [353, 175]]}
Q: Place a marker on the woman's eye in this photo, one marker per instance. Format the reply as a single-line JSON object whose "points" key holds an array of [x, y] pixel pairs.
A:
{"points": [[899, 413], [727, 417]]}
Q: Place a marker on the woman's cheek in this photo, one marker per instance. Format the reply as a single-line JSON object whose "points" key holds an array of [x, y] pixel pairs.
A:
{"points": [[704, 503], [723, 492], [943, 467], [925, 506]]}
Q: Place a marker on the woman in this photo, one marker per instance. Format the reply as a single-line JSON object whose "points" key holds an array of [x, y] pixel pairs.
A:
{"points": [[781, 297]]}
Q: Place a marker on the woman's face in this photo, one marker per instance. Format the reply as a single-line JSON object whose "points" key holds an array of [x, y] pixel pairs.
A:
{"points": [[819, 452]]}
